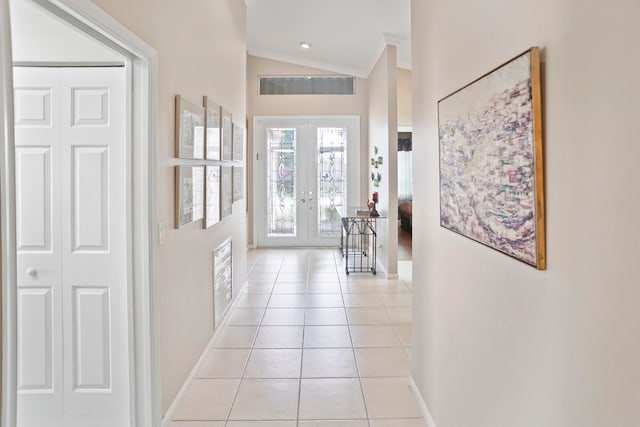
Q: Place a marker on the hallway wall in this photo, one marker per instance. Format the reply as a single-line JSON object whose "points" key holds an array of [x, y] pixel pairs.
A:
{"points": [[201, 51], [496, 342], [404, 98], [383, 134]]}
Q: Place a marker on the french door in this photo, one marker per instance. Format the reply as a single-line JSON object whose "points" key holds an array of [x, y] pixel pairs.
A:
{"points": [[306, 176]]}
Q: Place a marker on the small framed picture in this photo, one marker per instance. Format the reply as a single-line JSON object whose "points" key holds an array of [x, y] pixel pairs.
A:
{"points": [[189, 195], [238, 142], [227, 126], [238, 183], [212, 125], [189, 129], [226, 191], [212, 197]]}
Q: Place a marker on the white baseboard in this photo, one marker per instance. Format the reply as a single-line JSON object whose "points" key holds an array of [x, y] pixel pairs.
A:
{"points": [[421, 403], [382, 269], [166, 420]]}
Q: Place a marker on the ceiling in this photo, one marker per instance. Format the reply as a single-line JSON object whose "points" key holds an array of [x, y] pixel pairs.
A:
{"points": [[346, 36]]}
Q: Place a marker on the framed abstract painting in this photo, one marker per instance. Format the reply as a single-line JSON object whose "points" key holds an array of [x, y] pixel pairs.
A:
{"points": [[491, 160]]}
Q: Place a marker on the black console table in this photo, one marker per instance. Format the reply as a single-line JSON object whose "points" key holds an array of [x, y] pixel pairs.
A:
{"points": [[358, 243]]}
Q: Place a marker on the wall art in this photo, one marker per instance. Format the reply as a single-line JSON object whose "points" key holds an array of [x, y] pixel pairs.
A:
{"points": [[212, 196], [189, 194], [212, 125], [491, 160], [227, 141], [226, 191], [189, 129], [238, 183], [238, 142]]}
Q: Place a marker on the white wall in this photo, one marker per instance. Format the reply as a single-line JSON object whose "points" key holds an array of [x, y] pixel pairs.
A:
{"points": [[37, 35], [498, 343], [201, 51], [383, 133], [404, 98]]}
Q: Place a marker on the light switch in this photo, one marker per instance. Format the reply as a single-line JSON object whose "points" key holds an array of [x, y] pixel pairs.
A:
{"points": [[161, 228]]}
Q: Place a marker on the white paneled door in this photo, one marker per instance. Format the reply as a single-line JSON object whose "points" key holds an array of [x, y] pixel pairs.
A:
{"points": [[71, 178]]}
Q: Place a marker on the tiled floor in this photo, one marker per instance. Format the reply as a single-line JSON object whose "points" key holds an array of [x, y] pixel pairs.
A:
{"points": [[307, 346]]}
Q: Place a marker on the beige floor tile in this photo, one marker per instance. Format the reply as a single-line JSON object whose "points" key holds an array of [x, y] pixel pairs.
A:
{"points": [[396, 300], [389, 398], [325, 316], [283, 317], [261, 424], [236, 337], [383, 362], [407, 422], [331, 398], [274, 363], [266, 399], [292, 277], [223, 363], [326, 336], [328, 363], [357, 288], [324, 300], [207, 399], [404, 333], [279, 337], [266, 268], [334, 423], [288, 301], [290, 288], [252, 301], [367, 316], [259, 288], [399, 315], [374, 336], [323, 288], [262, 278], [294, 267], [320, 275], [246, 316], [362, 300], [197, 424]]}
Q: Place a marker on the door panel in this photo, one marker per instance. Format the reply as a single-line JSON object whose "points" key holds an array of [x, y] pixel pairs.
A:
{"points": [[35, 340], [90, 198], [33, 198], [72, 175]]}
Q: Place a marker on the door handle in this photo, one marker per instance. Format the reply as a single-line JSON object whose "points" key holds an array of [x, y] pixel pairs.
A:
{"points": [[32, 272], [302, 200]]}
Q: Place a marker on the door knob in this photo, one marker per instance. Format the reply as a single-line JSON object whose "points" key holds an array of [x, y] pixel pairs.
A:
{"points": [[32, 272], [302, 200]]}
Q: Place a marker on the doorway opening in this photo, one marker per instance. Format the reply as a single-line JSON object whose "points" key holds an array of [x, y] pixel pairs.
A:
{"points": [[405, 205], [79, 347]]}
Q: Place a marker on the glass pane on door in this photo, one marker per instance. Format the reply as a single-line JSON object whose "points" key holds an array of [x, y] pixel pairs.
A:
{"points": [[281, 200], [331, 179]]}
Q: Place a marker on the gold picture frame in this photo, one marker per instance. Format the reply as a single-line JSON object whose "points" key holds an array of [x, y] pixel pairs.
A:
{"points": [[491, 160]]}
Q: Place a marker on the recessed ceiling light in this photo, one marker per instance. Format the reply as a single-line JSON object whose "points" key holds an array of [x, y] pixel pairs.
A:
{"points": [[305, 45]]}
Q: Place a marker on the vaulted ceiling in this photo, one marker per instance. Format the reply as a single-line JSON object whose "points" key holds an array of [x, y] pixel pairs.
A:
{"points": [[346, 36]]}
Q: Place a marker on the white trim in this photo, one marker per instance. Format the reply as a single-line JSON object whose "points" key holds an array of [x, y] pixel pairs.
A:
{"points": [[8, 267], [84, 15], [421, 403], [405, 128]]}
